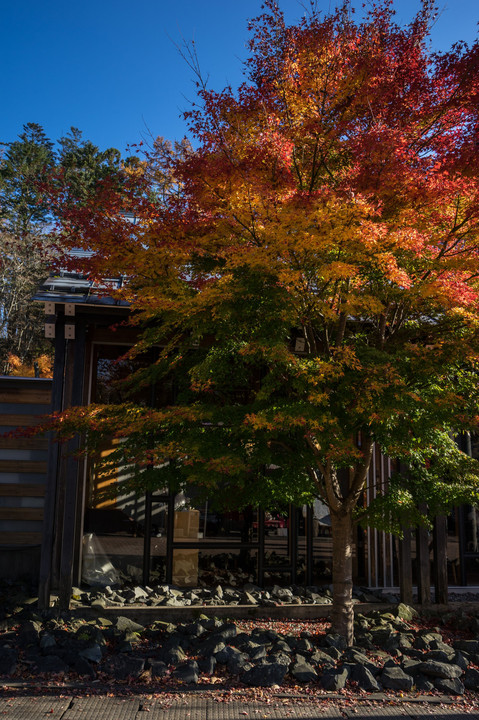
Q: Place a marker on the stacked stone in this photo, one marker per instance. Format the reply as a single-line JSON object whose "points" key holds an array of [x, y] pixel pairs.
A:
{"points": [[387, 655], [219, 595]]}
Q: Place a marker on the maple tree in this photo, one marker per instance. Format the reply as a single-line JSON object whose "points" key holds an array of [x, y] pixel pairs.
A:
{"points": [[332, 198]]}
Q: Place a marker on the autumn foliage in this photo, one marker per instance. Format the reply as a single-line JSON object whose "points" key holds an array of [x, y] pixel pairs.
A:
{"points": [[332, 199], [40, 367]]}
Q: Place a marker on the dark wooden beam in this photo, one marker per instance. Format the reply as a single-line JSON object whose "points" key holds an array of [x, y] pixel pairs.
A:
{"points": [[309, 545], [70, 529], [440, 559], [147, 539], [405, 567], [423, 566], [49, 528], [260, 555], [170, 535]]}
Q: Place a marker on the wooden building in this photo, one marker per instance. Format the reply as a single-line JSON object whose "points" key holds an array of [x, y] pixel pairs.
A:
{"points": [[166, 538]]}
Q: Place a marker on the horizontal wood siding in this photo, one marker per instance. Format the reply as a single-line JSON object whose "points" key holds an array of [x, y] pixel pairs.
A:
{"points": [[21, 490], [28, 395], [22, 402], [20, 538], [16, 443], [22, 466], [14, 421]]}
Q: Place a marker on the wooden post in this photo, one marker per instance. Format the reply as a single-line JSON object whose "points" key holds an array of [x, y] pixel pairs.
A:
{"points": [[48, 533], [423, 565], [309, 545], [293, 540], [71, 490], [147, 538], [260, 556], [440, 559], [405, 567], [170, 536]]}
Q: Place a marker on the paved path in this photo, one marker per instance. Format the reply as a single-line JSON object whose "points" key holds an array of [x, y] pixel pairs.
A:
{"points": [[192, 707]]}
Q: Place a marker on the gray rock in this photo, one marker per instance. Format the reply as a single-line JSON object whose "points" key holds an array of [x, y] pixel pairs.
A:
{"points": [[471, 679], [353, 655], [460, 660], [176, 602], [8, 661], [334, 679], [405, 612], [405, 641], [281, 646], [321, 658], [195, 629], [436, 669], [121, 667], [336, 641], [364, 678], [450, 686], [100, 604], [392, 644], [92, 653], [411, 667], [333, 653], [444, 647], [394, 678], [424, 640], [423, 684], [83, 667], [29, 633], [136, 594], [257, 653], [265, 675], [469, 646], [172, 655], [227, 654], [158, 668], [124, 624], [303, 672], [226, 632], [302, 644], [47, 641], [174, 592], [282, 593], [238, 664], [249, 599], [207, 665], [51, 664], [279, 659], [212, 646], [188, 672], [440, 655]]}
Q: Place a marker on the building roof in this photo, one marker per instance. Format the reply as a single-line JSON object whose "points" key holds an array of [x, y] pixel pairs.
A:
{"points": [[72, 287]]}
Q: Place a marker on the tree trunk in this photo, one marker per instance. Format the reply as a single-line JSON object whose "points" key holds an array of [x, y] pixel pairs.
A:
{"points": [[343, 612]]}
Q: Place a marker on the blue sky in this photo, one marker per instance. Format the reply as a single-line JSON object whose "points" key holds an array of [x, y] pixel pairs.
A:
{"points": [[112, 68]]}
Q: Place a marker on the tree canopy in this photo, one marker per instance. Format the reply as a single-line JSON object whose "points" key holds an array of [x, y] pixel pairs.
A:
{"points": [[30, 167], [312, 284]]}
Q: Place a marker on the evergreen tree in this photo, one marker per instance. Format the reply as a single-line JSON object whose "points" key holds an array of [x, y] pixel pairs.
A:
{"points": [[25, 242], [30, 169]]}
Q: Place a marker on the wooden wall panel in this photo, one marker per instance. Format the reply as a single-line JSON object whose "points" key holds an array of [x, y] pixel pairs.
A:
{"points": [[24, 400], [20, 538]]}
